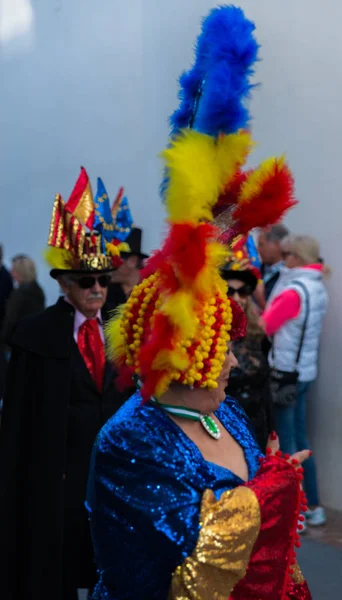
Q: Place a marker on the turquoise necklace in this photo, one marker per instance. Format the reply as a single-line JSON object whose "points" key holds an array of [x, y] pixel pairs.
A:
{"points": [[194, 415]]}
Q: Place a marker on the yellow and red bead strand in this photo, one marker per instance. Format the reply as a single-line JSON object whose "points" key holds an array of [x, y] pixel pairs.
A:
{"points": [[219, 343], [132, 319], [129, 321], [148, 310], [142, 316], [213, 365], [192, 376], [199, 350]]}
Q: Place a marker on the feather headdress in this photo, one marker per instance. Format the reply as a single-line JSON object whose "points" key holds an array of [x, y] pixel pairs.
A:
{"points": [[178, 321]]}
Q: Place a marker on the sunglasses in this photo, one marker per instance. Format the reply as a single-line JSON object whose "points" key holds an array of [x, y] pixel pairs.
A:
{"points": [[244, 291], [87, 282]]}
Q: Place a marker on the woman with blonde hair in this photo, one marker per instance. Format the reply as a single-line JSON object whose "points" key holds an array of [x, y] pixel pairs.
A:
{"points": [[27, 299], [293, 319]]}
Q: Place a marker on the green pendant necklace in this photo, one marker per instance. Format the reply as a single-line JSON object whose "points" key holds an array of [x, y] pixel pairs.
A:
{"points": [[194, 415]]}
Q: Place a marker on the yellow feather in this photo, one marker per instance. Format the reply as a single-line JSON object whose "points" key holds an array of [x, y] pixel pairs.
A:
{"points": [[58, 258], [253, 185], [162, 385], [199, 167], [112, 250], [179, 308], [167, 359], [124, 247], [115, 341], [205, 282]]}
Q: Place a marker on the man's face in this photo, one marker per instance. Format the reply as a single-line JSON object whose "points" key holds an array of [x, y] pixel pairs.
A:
{"points": [[270, 252], [87, 293]]}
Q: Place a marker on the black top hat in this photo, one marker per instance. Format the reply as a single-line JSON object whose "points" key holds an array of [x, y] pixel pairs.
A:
{"points": [[134, 241], [245, 275]]}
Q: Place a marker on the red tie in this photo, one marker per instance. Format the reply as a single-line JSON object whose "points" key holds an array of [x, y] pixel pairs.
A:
{"points": [[91, 347]]}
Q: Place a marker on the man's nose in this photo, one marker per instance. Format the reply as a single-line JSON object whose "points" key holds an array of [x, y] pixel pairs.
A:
{"points": [[96, 287]]}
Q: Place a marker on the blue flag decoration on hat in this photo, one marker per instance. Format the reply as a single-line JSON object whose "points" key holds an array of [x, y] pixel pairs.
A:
{"points": [[122, 216], [253, 252], [103, 216], [123, 221], [114, 227]]}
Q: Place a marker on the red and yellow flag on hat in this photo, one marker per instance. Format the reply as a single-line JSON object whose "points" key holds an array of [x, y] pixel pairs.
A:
{"points": [[81, 202]]}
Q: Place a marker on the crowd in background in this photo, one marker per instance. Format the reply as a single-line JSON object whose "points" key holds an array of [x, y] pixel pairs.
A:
{"points": [[284, 309]]}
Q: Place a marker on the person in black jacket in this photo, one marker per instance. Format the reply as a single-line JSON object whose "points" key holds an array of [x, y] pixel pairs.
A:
{"points": [[248, 382], [27, 299], [271, 254], [60, 392], [6, 286], [128, 274]]}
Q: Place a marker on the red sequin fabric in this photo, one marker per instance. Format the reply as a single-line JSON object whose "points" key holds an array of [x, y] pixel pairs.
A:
{"points": [[298, 591], [268, 576]]}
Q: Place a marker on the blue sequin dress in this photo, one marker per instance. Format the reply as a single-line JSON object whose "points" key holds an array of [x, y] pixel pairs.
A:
{"points": [[145, 489]]}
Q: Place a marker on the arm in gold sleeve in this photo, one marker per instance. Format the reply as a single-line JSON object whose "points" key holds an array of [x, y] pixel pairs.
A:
{"points": [[229, 529]]}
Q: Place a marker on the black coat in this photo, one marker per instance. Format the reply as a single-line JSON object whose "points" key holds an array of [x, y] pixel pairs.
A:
{"points": [[249, 384], [27, 299], [116, 296], [52, 414], [6, 286]]}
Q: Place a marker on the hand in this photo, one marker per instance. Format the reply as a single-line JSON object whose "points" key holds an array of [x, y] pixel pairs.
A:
{"points": [[296, 460]]}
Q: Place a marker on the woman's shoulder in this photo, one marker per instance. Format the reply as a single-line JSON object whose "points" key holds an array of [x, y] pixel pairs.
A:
{"points": [[137, 429], [240, 425], [232, 406]]}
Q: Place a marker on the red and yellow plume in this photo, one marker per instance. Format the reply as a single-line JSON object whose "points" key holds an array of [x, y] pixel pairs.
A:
{"points": [[177, 322], [256, 198]]}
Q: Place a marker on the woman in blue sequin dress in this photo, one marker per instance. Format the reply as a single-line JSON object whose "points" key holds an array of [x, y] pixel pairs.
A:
{"points": [[182, 505], [163, 521]]}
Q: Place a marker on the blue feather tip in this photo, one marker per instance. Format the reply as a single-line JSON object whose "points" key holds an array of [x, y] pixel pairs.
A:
{"points": [[213, 93]]}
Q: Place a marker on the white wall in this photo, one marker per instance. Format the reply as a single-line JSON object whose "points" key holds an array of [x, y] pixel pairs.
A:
{"points": [[93, 83]]}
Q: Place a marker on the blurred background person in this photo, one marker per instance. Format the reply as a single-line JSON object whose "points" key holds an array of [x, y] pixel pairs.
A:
{"points": [[271, 254], [249, 380], [26, 299], [6, 286], [293, 318], [128, 274]]}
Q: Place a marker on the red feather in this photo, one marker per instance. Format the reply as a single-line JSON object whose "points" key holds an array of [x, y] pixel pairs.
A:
{"points": [[231, 193], [161, 338], [269, 206], [185, 248], [125, 379], [152, 264]]}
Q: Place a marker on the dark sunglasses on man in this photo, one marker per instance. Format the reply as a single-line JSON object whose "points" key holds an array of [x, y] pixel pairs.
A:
{"points": [[244, 291], [88, 281]]}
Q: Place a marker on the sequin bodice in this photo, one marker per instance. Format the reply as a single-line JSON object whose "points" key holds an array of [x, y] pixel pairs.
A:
{"points": [[145, 489]]}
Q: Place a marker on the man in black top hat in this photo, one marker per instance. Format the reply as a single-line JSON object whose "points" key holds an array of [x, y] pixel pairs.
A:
{"points": [[61, 391], [128, 274]]}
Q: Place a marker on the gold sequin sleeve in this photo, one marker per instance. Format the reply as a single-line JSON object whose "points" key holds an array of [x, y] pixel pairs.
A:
{"points": [[229, 529]]}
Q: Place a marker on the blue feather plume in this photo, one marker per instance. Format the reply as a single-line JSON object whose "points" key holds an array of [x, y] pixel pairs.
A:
{"points": [[214, 91]]}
